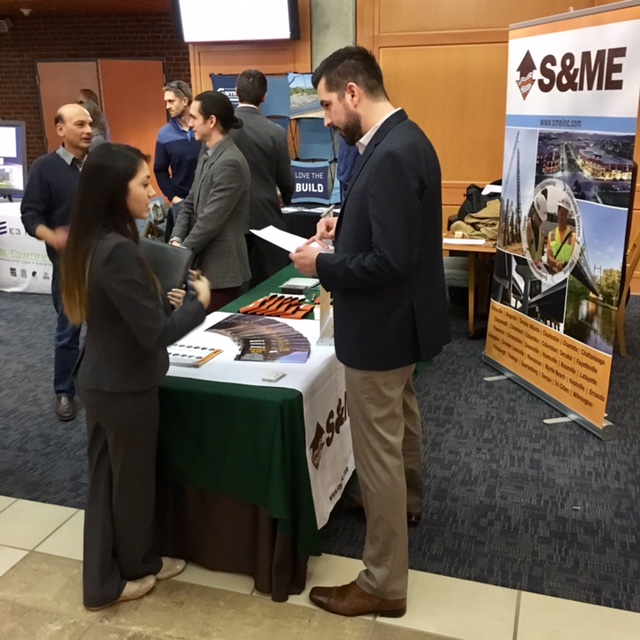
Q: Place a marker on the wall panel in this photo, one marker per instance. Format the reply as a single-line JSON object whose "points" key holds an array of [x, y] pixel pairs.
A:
{"points": [[270, 58], [445, 62], [452, 93], [462, 15]]}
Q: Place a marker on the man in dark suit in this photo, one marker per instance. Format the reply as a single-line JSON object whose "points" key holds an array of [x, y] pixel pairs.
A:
{"points": [[387, 280], [264, 145]]}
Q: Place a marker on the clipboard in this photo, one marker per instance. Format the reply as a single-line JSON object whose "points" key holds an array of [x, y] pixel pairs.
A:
{"points": [[170, 264]]}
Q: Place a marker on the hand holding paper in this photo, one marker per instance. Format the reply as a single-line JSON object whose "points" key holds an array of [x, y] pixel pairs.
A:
{"points": [[304, 259], [288, 241]]}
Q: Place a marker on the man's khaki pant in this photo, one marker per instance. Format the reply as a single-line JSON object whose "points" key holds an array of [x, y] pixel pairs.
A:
{"points": [[387, 446]]}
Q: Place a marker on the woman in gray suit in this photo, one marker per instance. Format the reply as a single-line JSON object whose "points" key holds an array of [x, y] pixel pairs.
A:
{"points": [[215, 215], [107, 283]]}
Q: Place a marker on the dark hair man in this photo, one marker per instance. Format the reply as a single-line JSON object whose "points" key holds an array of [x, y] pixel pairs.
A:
{"points": [[264, 145], [215, 214], [45, 208], [387, 280], [177, 149]]}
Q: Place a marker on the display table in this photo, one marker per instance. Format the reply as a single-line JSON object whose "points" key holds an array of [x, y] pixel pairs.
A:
{"points": [[237, 463], [478, 270], [302, 221], [24, 265]]}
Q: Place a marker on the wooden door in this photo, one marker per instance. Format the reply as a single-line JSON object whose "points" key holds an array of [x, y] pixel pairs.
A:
{"points": [[132, 99], [59, 83]]}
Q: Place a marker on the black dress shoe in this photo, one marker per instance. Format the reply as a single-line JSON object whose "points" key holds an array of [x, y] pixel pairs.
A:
{"points": [[65, 408], [351, 600], [413, 517]]}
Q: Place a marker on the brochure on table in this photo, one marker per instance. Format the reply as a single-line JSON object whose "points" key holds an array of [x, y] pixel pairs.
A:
{"points": [[320, 380]]}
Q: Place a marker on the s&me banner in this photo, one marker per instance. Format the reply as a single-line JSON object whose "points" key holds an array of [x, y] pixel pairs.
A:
{"points": [[572, 105]]}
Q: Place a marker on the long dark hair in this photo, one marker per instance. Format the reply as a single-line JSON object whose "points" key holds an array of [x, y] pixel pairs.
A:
{"points": [[97, 117], [100, 203]]}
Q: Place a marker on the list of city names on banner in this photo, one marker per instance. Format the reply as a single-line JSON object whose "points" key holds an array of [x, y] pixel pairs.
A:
{"points": [[562, 367]]}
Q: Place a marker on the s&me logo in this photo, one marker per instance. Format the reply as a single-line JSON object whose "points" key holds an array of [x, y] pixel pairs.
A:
{"points": [[325, 436], [3, 227], [585, 71]]}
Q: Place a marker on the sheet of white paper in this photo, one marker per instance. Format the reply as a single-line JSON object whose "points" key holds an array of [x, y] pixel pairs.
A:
{"points": [[319, 210], [463, 241], [491, 188], [283, 239]]}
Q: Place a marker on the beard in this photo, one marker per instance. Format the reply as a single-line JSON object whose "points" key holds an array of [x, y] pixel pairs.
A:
{"points": [[352, 129]]}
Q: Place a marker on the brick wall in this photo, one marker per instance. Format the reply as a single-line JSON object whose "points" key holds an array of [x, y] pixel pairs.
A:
{"points": [[77, 37]]}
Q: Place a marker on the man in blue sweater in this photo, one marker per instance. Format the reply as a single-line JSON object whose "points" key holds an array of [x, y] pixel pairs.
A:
{"points": [[45, 208], [177, 150]]}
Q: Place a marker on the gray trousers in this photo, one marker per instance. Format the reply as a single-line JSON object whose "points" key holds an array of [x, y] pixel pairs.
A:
{"points": [[122, 433], [387, 445]]}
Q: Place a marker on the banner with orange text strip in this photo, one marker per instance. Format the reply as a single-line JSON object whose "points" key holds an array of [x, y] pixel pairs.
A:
{"points": [[572, 105]]}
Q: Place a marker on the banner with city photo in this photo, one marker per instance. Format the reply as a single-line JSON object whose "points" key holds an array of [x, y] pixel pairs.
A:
{"points": [[291, 95], [572, 105]]}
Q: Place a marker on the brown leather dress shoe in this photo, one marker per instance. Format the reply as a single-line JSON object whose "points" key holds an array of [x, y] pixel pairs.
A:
{"points": [[413, 517], [65, 408], [351, 600]]}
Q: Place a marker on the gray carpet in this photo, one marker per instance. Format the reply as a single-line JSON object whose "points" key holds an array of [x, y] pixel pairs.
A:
{"points": [[508, 500]]}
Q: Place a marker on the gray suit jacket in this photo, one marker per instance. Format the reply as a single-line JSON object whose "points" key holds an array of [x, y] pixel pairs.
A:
{"points": [[128, 329], [264, 145], [215, 215]]}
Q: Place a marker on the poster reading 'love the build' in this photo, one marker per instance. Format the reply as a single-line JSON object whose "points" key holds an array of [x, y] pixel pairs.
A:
{"points": [[572, 105]]}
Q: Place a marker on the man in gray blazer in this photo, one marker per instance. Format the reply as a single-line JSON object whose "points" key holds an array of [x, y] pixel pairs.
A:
{"points": [[215, 214], [264, 145]]}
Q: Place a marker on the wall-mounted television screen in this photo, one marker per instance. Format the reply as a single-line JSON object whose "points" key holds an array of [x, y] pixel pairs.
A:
{"points": [[238, 21], [13, 158]]}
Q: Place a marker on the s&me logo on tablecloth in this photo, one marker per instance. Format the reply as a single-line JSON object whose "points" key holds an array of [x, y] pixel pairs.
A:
{"points": [[589, 70], [3, 227], [325, 435]]}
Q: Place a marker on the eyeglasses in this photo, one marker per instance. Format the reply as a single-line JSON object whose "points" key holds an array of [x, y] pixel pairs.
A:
{"points": [[180, 87]]}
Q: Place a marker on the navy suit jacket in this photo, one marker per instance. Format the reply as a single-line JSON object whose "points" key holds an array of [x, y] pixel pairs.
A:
{"points": [[387, 275]]}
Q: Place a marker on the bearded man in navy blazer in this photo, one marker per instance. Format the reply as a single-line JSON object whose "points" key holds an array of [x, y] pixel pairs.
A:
{"points": [[387, 279]]}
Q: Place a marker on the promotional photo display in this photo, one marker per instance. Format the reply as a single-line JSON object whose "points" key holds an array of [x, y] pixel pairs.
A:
{"points": [[572, 104]]}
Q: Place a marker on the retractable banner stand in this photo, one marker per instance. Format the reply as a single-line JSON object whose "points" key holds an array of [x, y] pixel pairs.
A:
{"points": [[227, 85], [572, 106]]}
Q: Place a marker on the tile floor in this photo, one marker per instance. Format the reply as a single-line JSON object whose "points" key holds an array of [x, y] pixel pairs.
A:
{"points": [[40, 569]]}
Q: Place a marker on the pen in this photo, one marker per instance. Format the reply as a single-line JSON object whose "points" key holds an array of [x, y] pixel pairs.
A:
{"points": [[329, 212]]}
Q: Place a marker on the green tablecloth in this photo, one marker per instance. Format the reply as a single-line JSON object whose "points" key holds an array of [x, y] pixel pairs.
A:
{"points": [[243, 441]]}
